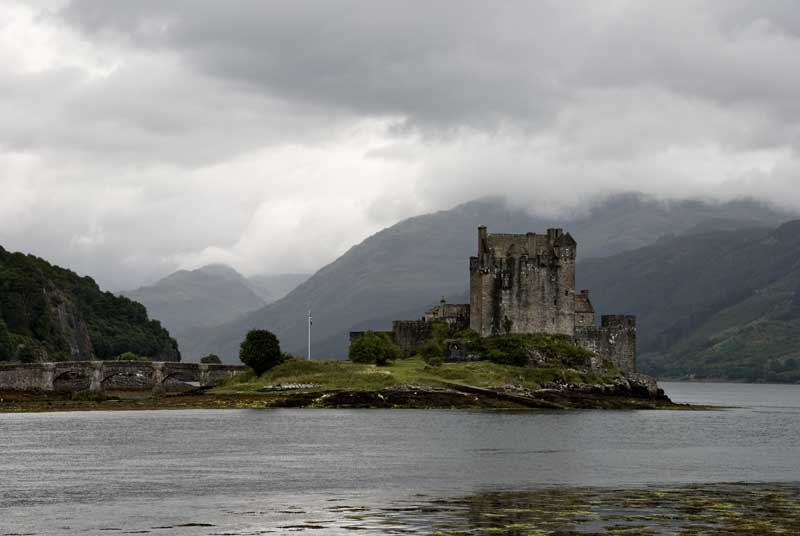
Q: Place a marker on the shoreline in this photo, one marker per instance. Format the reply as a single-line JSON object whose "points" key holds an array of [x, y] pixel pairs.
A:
{"points": [[400, 397]]}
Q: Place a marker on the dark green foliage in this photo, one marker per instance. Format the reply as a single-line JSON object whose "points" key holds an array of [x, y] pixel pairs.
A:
{"points": [[30, 291], [130, 356], [211, 359], [432, 351], [506, 350], [517, 349], [509, 349], [26, 354], [7, 349], [375, 348], [260, 351]]}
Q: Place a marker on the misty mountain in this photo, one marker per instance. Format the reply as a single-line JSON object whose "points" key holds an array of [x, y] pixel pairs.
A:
{"points": [[49, 313], [409, 266], [208, 296], [720, 304], [273, 287]]}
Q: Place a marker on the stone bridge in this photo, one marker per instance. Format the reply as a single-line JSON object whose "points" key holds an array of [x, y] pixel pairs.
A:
{"points": [[71, 376]]}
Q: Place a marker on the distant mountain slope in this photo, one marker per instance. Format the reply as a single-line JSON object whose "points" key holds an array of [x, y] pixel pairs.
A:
{"points": [[722, 304], [408, 266], [207, 296], [273, 287], [50, 313]]}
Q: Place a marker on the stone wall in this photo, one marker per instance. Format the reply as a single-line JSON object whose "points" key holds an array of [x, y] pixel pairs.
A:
{"points": [[73, 376], [523, 281], [410, 334], [615, 339]]}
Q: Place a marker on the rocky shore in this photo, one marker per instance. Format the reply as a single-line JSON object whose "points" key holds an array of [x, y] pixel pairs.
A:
{"points": [[631, 393]]}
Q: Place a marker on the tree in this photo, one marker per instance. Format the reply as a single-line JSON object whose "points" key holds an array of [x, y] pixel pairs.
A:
{"points": [[6, 346], [211, 359], [375, 348], [260, 351]]}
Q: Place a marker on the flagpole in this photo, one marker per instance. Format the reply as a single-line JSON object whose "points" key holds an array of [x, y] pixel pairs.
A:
{"points": [[309, 334]]}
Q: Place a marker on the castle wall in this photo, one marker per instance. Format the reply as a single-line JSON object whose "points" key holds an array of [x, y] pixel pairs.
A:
{"points": [[584, 312], [614, 339], [410, 334], [527, 279]]}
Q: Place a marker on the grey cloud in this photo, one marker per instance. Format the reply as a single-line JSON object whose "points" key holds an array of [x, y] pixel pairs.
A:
{"points": [[233, 130], [474, 63]]}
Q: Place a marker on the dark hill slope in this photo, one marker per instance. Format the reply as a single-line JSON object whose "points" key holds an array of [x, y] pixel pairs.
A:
{"points": [[52, 313], [714, 305], [408, 266]]}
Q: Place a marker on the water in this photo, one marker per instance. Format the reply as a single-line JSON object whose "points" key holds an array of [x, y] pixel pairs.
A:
{"points": [[243, 471]]}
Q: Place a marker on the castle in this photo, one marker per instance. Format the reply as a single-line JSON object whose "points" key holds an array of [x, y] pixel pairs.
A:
{"points": [[525, 283]]}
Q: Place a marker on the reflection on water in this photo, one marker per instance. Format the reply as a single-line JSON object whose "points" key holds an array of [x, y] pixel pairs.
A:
{"points": [[379, 471]]}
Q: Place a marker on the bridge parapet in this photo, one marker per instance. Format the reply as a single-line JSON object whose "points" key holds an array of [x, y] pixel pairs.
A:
{"points": [[72, 376]]}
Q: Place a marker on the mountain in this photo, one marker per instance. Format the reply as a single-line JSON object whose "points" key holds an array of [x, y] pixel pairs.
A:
{"points": [[211, 295], [719, 304], [273, 287], [50, 313], [409, 266]]}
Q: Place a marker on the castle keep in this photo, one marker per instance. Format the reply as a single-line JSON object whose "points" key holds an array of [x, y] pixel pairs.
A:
{"points": [[525, 283]]}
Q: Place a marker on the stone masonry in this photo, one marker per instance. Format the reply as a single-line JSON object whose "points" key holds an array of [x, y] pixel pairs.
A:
{"points": [[73, 376]]}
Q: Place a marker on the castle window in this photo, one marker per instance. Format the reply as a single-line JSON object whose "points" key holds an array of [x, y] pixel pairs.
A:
{"points": [[566, 293]]}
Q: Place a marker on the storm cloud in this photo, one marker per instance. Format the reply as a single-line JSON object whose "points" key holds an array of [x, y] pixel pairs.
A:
{"points": [[139, 137]]}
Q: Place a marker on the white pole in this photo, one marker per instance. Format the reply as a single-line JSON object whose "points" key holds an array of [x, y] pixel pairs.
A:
{"points": [[309, 334]]}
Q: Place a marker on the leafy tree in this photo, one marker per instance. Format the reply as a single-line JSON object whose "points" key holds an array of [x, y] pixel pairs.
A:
{"points": [[260, 351], [211, 359], [6, 346], [375, 348]]}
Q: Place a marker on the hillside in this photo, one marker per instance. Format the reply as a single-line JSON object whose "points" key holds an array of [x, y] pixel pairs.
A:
{"points": [[207, 296], [212, 295], [721, 304], [273, 287], [408, 266], [50, 313]]}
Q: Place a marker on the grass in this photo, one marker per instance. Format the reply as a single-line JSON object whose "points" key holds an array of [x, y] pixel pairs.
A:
{"points": [[413, 371]]}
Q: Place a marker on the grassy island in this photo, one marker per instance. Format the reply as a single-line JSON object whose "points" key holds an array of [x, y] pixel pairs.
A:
{"points": [[407, 383]]}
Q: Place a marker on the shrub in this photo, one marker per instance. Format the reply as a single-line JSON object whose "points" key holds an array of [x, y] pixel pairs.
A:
{"points": [[432, 352], [260, 351], [375, 348], [507, 350], [211, 359]]}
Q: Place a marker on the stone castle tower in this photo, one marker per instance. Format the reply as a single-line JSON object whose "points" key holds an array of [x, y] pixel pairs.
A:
{"points": [[525, 283]]}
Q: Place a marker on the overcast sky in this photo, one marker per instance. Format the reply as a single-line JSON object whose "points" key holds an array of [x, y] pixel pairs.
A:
{"points": [[137, 137]]}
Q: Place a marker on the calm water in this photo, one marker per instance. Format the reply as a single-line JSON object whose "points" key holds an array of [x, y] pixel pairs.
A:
{"points": [[253, 470]]}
